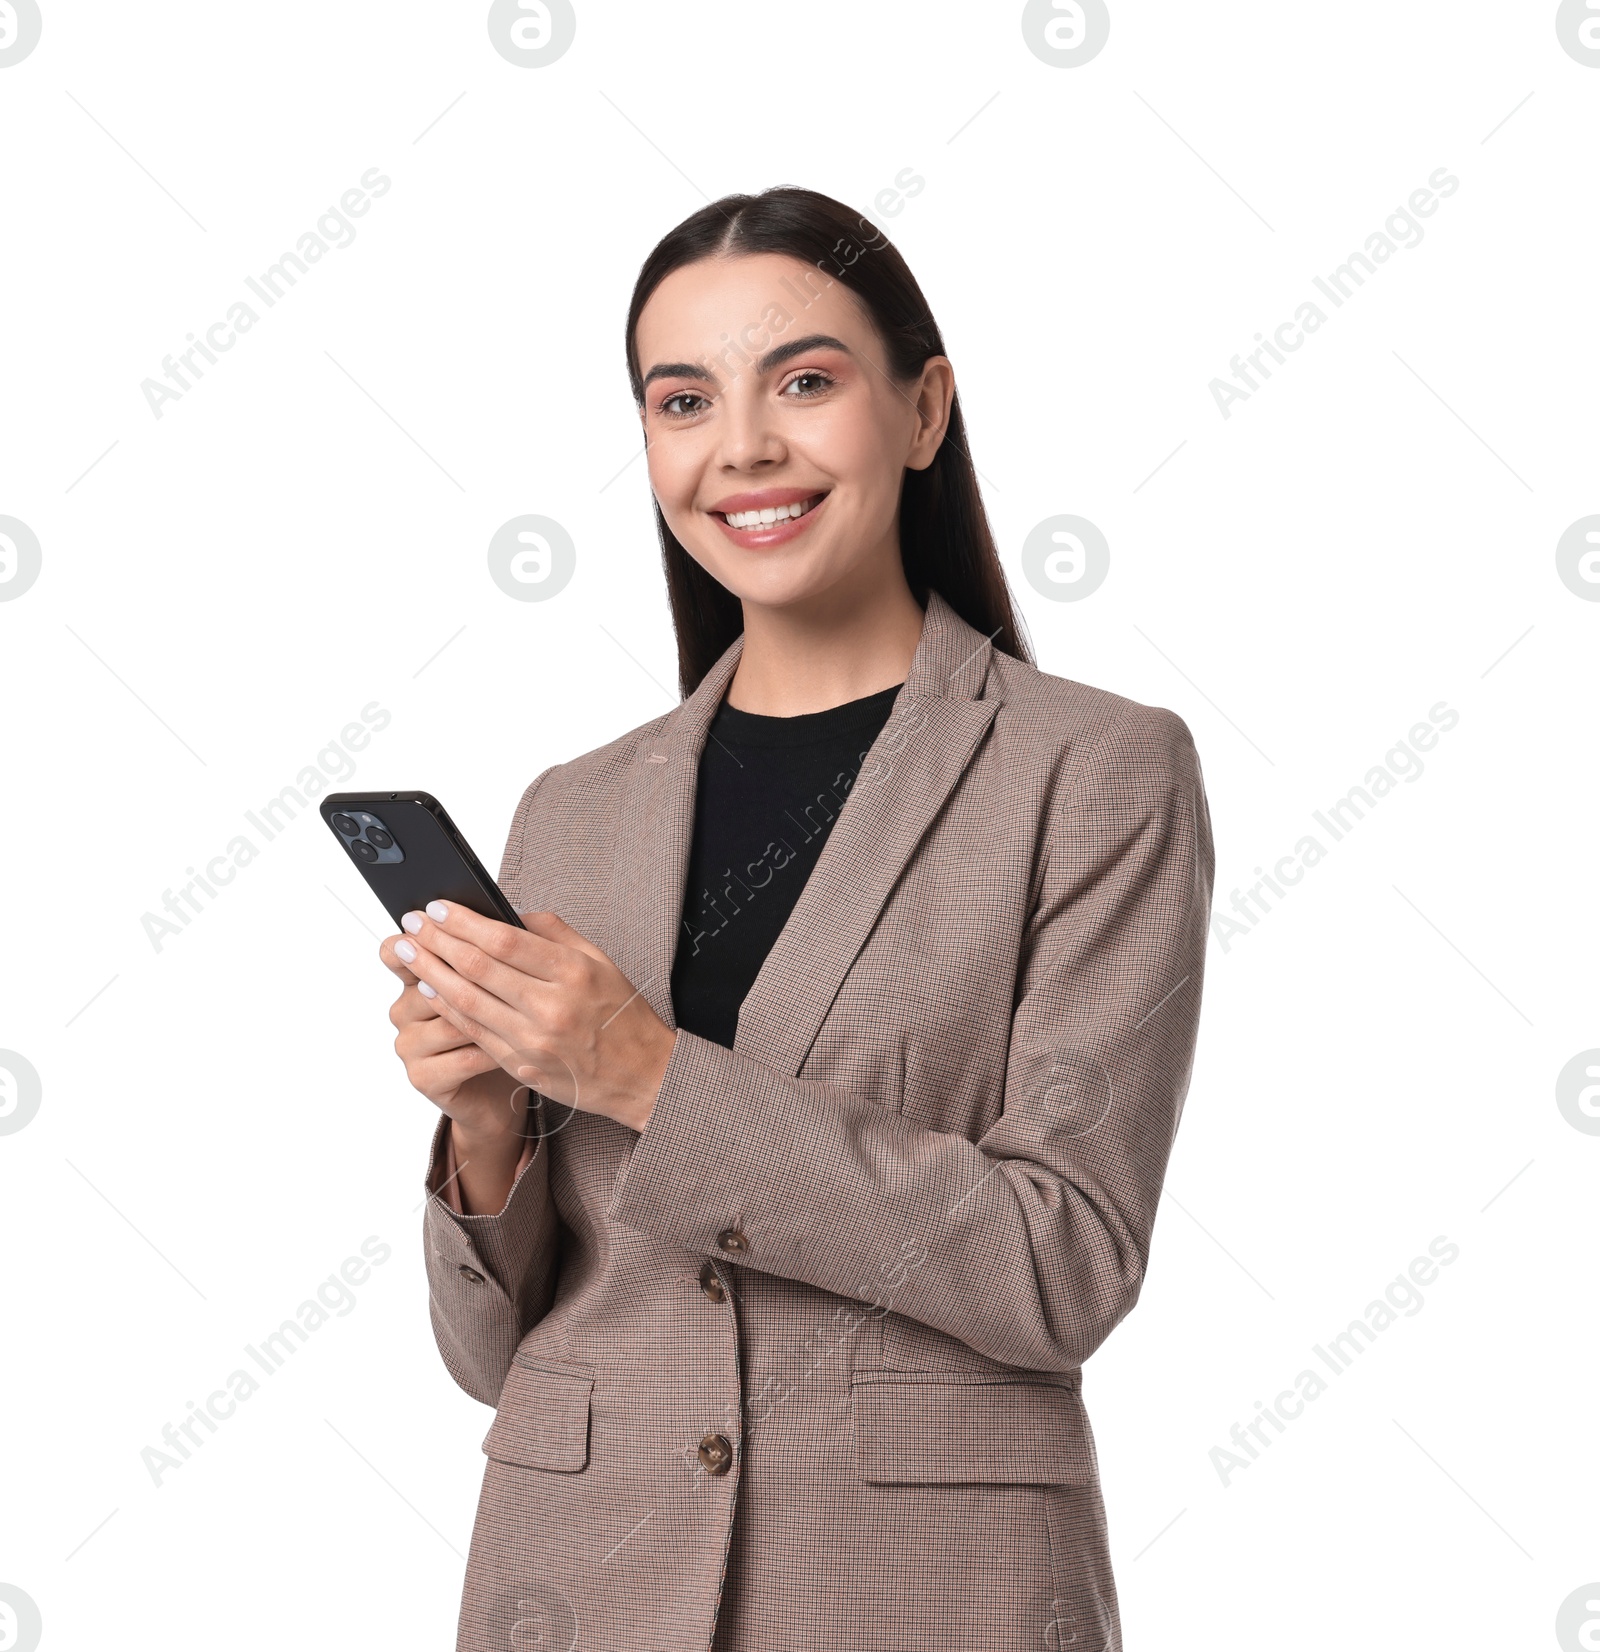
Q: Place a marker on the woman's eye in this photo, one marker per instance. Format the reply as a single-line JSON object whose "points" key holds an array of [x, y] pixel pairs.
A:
{"points": [[819, 381], [681, 412]]}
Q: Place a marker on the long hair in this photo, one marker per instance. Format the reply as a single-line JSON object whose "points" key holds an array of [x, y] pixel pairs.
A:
{"points": [[945, 539]]}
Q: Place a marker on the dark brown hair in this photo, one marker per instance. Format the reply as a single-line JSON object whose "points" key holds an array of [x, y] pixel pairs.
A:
{"points": [[945, 539]]}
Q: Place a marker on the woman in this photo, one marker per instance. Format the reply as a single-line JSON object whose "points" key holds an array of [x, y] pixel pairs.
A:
{"points": [[856, 1009]]}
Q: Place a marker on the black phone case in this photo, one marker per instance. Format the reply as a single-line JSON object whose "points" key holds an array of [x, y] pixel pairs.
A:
{"points": [[437, 862]]}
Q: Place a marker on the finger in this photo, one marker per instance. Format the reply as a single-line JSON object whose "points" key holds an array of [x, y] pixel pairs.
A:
{"points": [[507, 964], [503, 1032], [441, 1074], [484, 1018], [432, 1037], [392, 960], [441, 922], [412, 1004], [417, 1007], [464, 1025]]}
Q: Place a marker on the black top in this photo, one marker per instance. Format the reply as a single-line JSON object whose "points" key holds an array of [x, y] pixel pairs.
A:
{"points": [[768, 792]]}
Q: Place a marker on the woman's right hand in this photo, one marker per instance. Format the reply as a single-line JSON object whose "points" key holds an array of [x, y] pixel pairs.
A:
{"points": [[486, 1105]]}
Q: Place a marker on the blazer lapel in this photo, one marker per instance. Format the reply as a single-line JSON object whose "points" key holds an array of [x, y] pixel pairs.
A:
{"points": [[935, 725], [655, 823]]}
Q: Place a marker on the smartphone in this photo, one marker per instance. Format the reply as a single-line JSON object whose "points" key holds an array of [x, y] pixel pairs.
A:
{"points": [[410, 852]]}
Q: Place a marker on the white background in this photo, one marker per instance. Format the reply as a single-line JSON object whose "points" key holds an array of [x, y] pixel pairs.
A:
{"points": [[304, 533]]}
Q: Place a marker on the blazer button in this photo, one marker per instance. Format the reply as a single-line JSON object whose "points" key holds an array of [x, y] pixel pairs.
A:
{"points": [[716, 1454], [471, 1274], [731, 1239], [710, 1284]]}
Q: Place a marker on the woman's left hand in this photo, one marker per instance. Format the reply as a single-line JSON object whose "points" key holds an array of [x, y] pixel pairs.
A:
{"points": [[545, 1003]]}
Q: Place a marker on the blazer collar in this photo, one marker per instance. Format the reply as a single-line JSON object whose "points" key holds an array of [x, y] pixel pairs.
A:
{"points": [[935, 725]]}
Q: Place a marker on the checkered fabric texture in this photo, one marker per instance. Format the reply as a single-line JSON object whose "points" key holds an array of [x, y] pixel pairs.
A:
{"points": [[872, 1245]]}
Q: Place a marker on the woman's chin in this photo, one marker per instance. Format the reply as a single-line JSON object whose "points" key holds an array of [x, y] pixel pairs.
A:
{"points": [[772, 577], [792, 586]]}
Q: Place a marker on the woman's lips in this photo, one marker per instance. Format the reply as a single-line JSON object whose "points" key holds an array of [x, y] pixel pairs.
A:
{"points": [[769, 533]]}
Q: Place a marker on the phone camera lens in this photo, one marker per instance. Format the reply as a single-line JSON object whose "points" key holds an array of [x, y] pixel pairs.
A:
{"points": [[344, 824], [363, 851], [377, 836]]}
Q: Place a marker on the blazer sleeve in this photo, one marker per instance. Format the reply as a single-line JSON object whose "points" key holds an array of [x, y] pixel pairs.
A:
{"points": [[490, 1277], [1028, 1244]]}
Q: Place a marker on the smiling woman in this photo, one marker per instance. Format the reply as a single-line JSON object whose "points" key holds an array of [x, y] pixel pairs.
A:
{"points": [[808, 1139], [859, 401]]}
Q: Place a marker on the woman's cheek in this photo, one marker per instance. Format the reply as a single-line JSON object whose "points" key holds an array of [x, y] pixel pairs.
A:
{"points": [[673, 480]]}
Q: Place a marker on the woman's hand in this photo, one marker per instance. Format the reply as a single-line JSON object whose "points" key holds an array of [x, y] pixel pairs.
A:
{"points": [[542, 1003], [455, 1074], [486, 1106]]}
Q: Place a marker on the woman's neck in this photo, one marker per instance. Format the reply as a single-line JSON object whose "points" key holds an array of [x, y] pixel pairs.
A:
{"points": [[796, 660]]}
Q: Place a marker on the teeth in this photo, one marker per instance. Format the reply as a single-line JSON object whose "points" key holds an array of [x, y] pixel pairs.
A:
{"points": [[762, 519]]}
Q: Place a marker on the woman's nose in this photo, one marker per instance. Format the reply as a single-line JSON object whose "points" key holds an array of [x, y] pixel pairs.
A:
{"points": [[748, 433]]}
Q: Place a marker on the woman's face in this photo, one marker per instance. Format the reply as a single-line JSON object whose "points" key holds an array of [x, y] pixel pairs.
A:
{"points": [[777, 439]]}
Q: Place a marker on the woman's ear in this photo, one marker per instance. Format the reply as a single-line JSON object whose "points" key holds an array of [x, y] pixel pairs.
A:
{"points": [[935, 391]]}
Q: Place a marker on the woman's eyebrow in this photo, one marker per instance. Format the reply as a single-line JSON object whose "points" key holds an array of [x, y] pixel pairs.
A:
{"points": [[773, 358], [800, 347], [675, 370]]}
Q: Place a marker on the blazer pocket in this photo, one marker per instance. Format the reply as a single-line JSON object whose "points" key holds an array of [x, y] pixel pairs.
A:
{"points": [[543, 1417], [931, 1429]]}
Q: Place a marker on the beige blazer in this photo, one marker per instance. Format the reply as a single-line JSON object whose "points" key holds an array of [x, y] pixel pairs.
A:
{"points": [[800, 1365]]}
